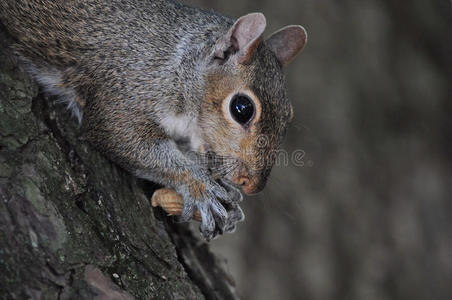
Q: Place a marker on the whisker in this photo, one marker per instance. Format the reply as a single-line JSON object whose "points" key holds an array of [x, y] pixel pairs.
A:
{"points": [[225, 169], [299, 126]]}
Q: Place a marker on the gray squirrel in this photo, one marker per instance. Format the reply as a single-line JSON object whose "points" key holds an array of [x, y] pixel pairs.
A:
{"points": [[180, 96]]}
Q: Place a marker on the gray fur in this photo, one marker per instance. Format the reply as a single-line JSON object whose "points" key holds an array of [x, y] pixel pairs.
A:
{"points": [[133, 68]]}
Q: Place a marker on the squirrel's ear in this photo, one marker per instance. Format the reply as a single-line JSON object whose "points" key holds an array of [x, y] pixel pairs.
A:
{"points": [[287, 42], [242, 39]]}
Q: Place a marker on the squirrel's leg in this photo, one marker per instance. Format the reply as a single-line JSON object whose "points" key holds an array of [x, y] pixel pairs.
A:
{"points": [[162, 162], [144, 149], [216, 201]]}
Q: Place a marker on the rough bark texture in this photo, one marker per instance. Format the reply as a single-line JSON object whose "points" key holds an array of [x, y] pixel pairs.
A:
{"points": [[75, 226]]}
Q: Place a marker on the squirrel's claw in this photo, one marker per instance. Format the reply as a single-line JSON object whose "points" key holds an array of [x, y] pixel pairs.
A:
{"points": [[213, 215], [235, 215], [187, 211], [234, 194], [207, 227]]}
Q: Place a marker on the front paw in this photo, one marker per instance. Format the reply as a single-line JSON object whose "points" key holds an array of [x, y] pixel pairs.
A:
{"points": [[234, 194], [218, 206], [235, 215], [206, 198], [218, 215]]}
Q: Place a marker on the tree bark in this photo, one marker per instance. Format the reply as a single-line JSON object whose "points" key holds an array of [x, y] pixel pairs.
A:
{"points": [[73, 225]]}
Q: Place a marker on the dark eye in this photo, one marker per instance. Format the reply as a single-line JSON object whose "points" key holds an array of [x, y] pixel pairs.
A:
{"points": [[242, 109]]}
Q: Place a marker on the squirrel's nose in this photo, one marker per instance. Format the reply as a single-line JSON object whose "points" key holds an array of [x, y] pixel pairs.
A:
{"points": [[248, 186], [244, 181]]}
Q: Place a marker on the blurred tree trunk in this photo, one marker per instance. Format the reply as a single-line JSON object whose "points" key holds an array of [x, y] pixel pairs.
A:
{"points": [[75, 226], [369, 213]]}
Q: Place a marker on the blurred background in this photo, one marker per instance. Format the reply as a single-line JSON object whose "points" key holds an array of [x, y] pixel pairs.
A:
{"points": [[369, 214]]}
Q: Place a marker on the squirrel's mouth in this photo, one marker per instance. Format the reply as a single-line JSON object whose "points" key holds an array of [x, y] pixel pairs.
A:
{"points": [[249, 185], [233, 170]]}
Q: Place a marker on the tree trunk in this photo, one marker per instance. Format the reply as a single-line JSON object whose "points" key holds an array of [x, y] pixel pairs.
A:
{"points": [[73, 225]]}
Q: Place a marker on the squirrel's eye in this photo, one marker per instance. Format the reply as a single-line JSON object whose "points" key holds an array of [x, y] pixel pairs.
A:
{"points": [[242, 109]]}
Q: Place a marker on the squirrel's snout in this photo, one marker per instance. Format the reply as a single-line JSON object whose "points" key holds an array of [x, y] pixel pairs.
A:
{"points": [[244, 181], [249, 186]]}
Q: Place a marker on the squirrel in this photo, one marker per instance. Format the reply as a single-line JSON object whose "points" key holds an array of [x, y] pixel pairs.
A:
{"points": [[187, 98]]}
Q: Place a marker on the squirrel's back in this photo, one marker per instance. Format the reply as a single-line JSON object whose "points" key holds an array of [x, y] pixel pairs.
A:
{"points": [[123, 48], [63, 31]]}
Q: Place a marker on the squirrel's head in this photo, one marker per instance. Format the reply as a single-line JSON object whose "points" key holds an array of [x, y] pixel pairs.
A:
{"points": [[245, 110]]}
